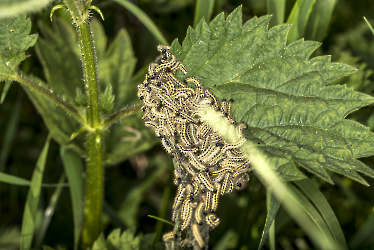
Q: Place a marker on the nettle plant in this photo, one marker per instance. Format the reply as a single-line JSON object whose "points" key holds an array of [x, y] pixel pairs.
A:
{"points": [[233, 99]]}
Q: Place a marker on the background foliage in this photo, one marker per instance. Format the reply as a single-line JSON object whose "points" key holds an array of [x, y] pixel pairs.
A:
{"points": [[141, 184]]}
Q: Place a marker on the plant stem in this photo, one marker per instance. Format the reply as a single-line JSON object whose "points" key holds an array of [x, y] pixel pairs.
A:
{"points": [[94, 158], [48, 94], [121, 114], [94, 191]]}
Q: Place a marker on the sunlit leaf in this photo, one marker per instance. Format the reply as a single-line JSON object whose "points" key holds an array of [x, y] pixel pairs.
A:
{"points": [[10, 8], [293, 115], [15, 39]]}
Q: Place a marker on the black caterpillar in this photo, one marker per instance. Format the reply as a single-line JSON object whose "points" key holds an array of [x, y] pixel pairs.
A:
{"points": [[208, 165]]}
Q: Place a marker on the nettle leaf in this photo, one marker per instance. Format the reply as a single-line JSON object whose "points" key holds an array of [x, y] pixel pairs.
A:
{"points": [[107, 99], [15, 39], [294, 116], [124, 241]]}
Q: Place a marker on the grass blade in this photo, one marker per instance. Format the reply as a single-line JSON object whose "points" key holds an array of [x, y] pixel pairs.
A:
{"points": [[74, 172], [32, 201], [311, 211], [364, 235], [371, 28], [5, 86], [49, 211], [299, 17], [324, 209], [203, 8], [15, 180], [148, 23], [11, 179], [277, 8], [273, 207], [162, 213], [319, 20], [10, 132]]}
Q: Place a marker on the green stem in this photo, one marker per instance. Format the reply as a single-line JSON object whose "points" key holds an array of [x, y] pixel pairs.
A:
{"points": [[94, 191], [94, 157], [48, 94], [121, 114]]}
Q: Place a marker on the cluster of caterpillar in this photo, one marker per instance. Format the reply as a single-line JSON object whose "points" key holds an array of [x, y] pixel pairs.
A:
{"points": [[208, 165]]}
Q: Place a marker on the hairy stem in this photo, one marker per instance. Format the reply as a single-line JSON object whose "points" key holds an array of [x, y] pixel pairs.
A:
{"points": [[94, 158], [48, 94]]}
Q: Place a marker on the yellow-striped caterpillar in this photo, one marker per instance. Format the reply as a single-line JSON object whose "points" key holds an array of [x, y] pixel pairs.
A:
{"points": [[208, 165]]}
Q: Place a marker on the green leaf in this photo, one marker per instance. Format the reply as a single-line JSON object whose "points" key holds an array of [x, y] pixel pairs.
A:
{"points": [[10, 132], [15, 39], [15, 35], [273, 207], [4, 86], [74, 171], [58, 52], [321, 204], [293, 115], [99, 244], [59, 124], [107, 99], [319, 20], [10, 8], [49, 211], [10, 238], [130, 206], [298, 18], [311, 211], [277, 8], [31, 206], [126, 241], [370, 27], [364, 236], [203, 9], [80, 98]]}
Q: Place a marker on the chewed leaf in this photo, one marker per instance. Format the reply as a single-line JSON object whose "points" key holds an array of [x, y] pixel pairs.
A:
{"points": [[294, 116]]}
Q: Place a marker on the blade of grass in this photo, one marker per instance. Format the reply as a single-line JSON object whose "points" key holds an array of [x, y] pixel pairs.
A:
{"points": [[15, 180], [371, 28], [5, 86], [363, 235], [299, 17], [162, 213], [10, 132], [324, 209], [32, 201], [277, 8], [311, 211], [272, 205], [49, 211], [160, 219], [148, 23], [203, 8], [319, 20], [74, 171]]}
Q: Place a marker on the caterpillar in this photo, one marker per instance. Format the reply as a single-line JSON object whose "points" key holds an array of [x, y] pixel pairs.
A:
{"points": [[208, 165]]}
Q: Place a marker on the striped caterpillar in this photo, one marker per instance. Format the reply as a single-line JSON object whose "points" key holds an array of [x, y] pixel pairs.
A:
{"points": [[208, 165]]}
